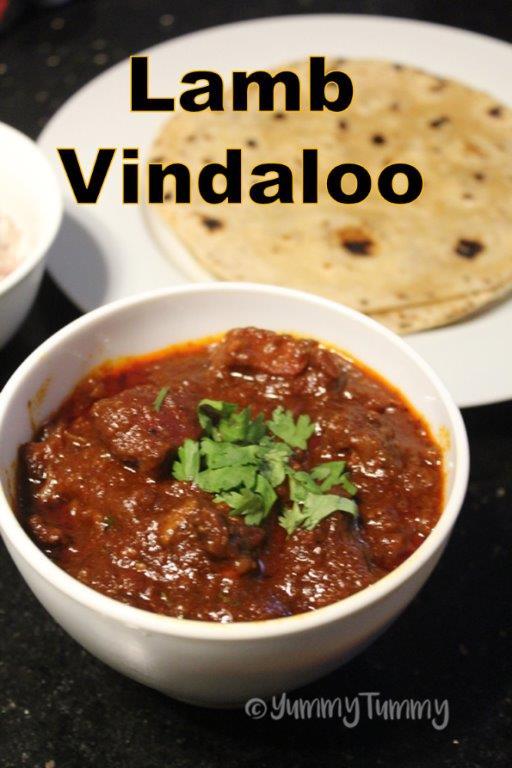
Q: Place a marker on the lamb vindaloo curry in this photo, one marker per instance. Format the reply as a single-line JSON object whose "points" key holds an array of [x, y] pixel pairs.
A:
{"points": [[252, 477]]}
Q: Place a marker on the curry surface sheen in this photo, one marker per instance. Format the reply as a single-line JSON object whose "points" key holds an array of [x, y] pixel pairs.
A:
{"points": [[97, 495]]}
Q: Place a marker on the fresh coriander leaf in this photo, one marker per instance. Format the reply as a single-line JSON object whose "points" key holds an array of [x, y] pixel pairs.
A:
{"points": [[333, 473], [349, 486], [292, 518], [269, 447], [159, 399], [305, 428], [210, 412], [264, 489], [348, 505], [225, 423], [256, 429], [274, 460], [240, 501], [274, 472], [313, 510], [226, 478], [231, 498], [254, 518], [239, 427], [235, 427], [245, 503], [215, 408], [227, 454], [295, 433], [302, 484], [329, 474], [317, 507], [186, 467]]}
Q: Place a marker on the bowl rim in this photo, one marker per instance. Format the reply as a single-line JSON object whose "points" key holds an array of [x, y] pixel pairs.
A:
{"points": [[51, 190], [160, 624]]}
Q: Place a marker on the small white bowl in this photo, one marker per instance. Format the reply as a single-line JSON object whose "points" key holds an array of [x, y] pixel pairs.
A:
{"points": [[30, 196], [205, 662]]}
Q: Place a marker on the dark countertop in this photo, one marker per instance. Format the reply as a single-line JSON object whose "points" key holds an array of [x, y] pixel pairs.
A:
{"points": [[60, 707]]}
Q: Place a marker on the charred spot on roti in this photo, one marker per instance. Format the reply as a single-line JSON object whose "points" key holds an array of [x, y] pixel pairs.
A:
{"points": [[439, 121], [211, 223], [168, 196], [395, 106], [356, 241], [479, 176], [279, 115], [398, 67], [251, 143], [496, 111], [468, 249], [467, 196], [343, 125], [378, 138], [191, 138]]}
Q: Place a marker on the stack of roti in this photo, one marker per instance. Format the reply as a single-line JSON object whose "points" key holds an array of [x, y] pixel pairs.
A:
{"points": [[412, 266]]}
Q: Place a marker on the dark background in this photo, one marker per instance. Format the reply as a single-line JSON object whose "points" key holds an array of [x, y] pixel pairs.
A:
{"points": [[59, 706]]}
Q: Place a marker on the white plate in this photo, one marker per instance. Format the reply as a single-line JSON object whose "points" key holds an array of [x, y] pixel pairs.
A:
{"points": [[106, 251]]}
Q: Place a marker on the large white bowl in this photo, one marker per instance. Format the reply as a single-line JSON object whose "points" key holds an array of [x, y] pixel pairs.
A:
{"points": [[30, 195], [202, 662]]}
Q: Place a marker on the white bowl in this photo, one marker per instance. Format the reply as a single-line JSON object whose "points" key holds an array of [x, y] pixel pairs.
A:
{"points": [[30, 196], [206, 662]]}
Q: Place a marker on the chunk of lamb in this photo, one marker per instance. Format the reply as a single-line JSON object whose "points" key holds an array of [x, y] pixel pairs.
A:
{"points": [[135, 431], [258, 351], [254, 350], [196, 523]]}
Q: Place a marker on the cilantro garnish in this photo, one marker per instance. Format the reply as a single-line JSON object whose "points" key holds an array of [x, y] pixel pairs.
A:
{"points": [[187, 466], [226, 479], [159, 399], [228, 454], [242, 465], [295, 433], [223, 422], [314, 508], [273, 458]]}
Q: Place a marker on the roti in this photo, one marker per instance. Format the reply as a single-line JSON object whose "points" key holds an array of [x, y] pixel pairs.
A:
{"points": [[434, 260], [435, 313]]}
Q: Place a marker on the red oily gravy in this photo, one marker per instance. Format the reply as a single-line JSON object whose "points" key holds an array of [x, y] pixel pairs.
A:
{"points": [[97, 494]]}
